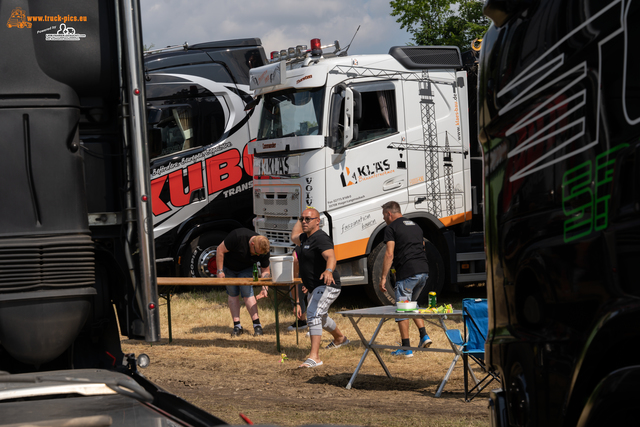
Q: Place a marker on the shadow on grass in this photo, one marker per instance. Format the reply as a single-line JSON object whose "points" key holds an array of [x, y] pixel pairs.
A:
{"points": [[370, 382], [246, 340]]}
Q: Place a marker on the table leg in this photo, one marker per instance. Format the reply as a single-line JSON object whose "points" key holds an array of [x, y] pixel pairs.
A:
{"points": [[275, 303], [446, 377], [366, 351], [295, 311], [169, 315]]}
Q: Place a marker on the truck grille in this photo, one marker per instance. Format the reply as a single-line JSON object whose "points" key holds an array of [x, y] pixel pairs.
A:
{"points": [[46, 262], [278, 237], [278, 201]]}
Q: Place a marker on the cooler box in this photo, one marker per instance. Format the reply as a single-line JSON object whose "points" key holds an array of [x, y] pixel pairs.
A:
{"points": [[281, 269]]}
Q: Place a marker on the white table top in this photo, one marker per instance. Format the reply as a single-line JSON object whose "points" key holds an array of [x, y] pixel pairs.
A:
{"points": [[389, 311]]}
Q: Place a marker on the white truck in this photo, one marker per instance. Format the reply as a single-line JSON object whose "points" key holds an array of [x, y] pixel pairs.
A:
{"points": [[345, 134]]}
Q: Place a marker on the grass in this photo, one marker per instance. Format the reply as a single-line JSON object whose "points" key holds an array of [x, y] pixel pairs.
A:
{"points": [[207, 367]]}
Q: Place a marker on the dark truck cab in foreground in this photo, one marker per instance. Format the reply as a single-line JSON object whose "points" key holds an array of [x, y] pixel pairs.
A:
{"points": [[77, 266], [559, 122]]}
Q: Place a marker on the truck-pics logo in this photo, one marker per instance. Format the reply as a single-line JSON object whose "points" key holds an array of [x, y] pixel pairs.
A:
{"points": [[65, 34], [363, 173], [18, 19]]}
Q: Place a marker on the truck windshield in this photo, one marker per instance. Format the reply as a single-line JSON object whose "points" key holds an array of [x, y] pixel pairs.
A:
{"points": [[291, 113]]}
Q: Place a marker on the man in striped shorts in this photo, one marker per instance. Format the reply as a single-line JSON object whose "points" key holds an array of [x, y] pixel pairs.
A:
{"points": [[317, 263]]}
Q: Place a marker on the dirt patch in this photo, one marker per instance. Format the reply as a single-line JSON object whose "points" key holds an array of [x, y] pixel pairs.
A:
{"points": [[227, 376]]}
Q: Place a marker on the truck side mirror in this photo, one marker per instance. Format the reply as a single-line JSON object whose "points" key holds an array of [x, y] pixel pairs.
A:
{"points": [[348, 118], [357, 106], [352, 113], [253, 103]]}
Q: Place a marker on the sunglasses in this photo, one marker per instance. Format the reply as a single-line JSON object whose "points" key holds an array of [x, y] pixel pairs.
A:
{"points": [[306, 218]]}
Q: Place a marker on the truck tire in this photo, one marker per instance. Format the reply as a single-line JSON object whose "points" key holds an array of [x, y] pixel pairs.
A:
{"points": [[435, 282], [374, 265], [200, 259], [437, 273]]}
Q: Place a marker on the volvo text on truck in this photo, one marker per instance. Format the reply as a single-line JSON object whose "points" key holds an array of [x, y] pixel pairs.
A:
{"points": [[345, 134], [201, 169], [77, 267], [559, 107]]}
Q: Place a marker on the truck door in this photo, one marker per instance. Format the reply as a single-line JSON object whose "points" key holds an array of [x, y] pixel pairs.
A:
{"points": [[370, 168], [371, 172]]}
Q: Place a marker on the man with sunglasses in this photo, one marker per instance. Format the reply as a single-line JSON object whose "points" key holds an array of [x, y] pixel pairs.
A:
{"points": [[235, 257], [317, 263]]}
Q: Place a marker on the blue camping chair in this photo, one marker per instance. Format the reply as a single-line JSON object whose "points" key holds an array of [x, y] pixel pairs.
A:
{"points": [[475, 314]]}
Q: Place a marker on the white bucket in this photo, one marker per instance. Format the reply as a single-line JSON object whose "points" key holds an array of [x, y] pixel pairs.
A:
{"points": [[281, 269]]}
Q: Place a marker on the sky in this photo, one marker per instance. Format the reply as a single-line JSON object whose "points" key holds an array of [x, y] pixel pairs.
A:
{"points": [[278, 23]]}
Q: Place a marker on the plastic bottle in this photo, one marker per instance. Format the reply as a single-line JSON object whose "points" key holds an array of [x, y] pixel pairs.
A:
{"points": [[433, 302]]}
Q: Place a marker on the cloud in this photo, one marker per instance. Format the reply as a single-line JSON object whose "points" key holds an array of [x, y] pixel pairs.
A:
{"points": [[279, 23]]}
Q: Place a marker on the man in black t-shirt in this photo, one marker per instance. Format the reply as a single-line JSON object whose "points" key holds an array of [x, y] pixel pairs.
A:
{"points": [[235, 257], [298, 297], [405, 250], [317, 263]]}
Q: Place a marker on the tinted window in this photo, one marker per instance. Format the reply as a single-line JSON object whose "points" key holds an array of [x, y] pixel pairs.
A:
{"points": [[378, 112], [181, 122]]}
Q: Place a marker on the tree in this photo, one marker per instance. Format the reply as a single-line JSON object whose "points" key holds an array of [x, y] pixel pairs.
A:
{"points": [[441, 22]]}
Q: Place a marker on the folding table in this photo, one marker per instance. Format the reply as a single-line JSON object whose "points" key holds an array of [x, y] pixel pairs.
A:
{"points": [[214, 281], [387, 312]]}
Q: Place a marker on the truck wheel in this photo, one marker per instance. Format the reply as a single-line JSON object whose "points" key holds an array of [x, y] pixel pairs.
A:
{"points": [[374, 265], [435, 282], [200, 260]]}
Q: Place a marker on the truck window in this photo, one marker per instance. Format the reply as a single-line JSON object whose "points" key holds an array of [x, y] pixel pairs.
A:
{"points": [[291, 113], [378, 117], [181, 117], [378, 112]]}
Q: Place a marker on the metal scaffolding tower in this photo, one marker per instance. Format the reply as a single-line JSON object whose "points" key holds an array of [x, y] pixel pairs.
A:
{"points": [[430, 138], [429, 132], [448, 177]]}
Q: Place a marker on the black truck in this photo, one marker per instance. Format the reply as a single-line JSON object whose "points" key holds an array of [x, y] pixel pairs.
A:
{"points": [[559, 123], [201, 168], [77, 266]]}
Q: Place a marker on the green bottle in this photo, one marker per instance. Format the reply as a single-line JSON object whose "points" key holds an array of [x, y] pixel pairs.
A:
{"points": [[255, 272]]}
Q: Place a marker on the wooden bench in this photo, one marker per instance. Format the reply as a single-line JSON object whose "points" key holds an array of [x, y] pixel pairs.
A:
{"points": [[214, 281]]}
